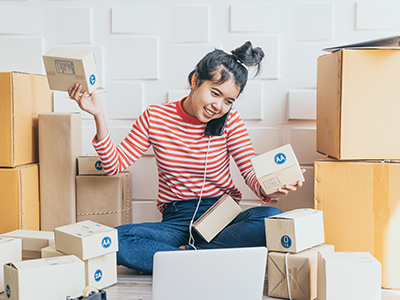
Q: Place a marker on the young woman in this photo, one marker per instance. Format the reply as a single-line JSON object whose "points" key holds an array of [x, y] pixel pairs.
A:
{"points": [[193, 163]]}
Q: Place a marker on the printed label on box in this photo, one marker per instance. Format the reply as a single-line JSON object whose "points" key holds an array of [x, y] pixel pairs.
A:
{"points": [[55, 261], [98, 275], [64, 67]]}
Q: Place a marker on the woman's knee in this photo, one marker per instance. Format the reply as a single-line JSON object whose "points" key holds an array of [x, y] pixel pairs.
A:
{"points": [[262, 212]]}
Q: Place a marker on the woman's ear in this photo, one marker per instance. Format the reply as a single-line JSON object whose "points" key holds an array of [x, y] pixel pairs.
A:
{"points": [[195, 81]]}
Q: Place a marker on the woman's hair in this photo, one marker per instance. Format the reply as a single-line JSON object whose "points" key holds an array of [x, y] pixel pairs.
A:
{"points": [[219, 66]]}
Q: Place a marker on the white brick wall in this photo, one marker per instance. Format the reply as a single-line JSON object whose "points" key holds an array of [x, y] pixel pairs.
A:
{"points": [[145, 50]]}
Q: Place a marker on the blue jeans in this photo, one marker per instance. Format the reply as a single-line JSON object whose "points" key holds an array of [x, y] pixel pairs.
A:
{"points": [[139, 242]]}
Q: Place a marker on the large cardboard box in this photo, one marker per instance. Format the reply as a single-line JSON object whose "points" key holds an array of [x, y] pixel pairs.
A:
{"points": [[65, 67], [22, 97], [86, 239], [358, 104], [302, 268], [104, 199], [100, 271], [276, 168], [19, 198], [348, 276], [361, 205], [60, 144], [10, 251], [32, 241], [295, 230], [46, 279]]}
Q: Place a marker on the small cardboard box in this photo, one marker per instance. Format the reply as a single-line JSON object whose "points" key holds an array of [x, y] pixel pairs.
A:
{"points": [[276, 168], [89, 165], [86, 239], [295, 230], [302, 269], [60, 144], [22, 98], [10, 251], [19, 198], [32, 241], [360, 201], [104, 199], [65, 67], [100, 271], [348, 276], [47, 278], [358, 104]]}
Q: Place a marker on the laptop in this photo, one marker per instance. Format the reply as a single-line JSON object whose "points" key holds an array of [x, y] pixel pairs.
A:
{"points": [[212, 274]]}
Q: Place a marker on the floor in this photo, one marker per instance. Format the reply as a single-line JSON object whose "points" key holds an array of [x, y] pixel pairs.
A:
{"points": [[133, 286]]}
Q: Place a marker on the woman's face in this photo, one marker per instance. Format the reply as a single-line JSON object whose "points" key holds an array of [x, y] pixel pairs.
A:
{"points": [[210, 101]]}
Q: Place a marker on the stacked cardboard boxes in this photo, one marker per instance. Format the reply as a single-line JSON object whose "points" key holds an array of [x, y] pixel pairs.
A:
{"points": [[22, 98], [358, 104]]}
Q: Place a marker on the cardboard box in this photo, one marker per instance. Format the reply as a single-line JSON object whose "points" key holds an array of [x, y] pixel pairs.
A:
{"points": [[361, 201], [19, 198], [104, 199], [10, 251], [22, 97], [302, 269], [60, 144], [86, 239], [46, 279], [65, 67], [100, 271], [295, 230], [358, 104], [90, 165], [32, 241], [348, 276], [274, 169]]}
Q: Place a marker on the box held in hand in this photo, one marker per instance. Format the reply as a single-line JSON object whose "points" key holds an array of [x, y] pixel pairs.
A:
{"points": [[295, 230], [276, 168]]}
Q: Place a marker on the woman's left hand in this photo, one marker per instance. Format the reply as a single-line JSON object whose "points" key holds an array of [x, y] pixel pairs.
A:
{"points": [[287, 188]]}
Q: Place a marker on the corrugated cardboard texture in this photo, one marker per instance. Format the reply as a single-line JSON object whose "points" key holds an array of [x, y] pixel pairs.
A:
{"points": [[60, 143], [22, 97], [19, 198], [361, 205], [358, 104], [104, 199]]}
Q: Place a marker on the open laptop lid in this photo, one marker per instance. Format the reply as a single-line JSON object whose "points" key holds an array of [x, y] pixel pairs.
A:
{"points": [[235, 274]]}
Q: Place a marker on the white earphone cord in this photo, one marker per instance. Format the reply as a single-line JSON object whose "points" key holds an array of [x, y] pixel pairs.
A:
{"points": [[191, 238]]}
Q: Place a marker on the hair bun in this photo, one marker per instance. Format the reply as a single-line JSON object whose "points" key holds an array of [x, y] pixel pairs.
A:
{"points": [[249, 56]]}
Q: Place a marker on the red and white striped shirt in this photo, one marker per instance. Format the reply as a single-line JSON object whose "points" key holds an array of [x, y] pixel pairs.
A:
{"points": [[180, 149]]}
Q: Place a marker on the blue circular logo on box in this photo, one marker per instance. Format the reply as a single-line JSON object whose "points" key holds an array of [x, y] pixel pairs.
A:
{"points": [[8, 291], [280, 158], [98, 275], [286, 241], [92, 79], [98, 166], [106, 242]]}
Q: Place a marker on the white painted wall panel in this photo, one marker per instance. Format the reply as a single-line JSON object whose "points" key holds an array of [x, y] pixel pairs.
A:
{"points": [[132, 57], [125, 100], [378, 15], [145, 211], [312, 21], [190, 24], [255, 17], [21, 54], [22, 21], [73, 25], [176, 95], [88, 133], [249, 104], [144, 178], [264, 139], [135, 19], [302, 104], [62, 103]]}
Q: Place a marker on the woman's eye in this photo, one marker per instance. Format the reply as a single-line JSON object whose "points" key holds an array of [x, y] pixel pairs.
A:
{"points": [[229, 102], [214, 93]]}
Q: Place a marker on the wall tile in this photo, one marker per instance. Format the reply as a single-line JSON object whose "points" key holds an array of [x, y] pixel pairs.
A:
{"points": [[22, 21], [62, 103], [255, 17], [88, 133], [125, 100], [145, 211], [79, 30], [177, 95], [132, 58], [21, 54], [378, 15], [250, 102], [302, 104], [190, 24], [135, 19], [144, 184], [264, 139], [312, 21]]}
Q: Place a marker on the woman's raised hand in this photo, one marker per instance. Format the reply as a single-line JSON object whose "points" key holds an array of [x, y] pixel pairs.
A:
{"points": [[89, 103]]}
